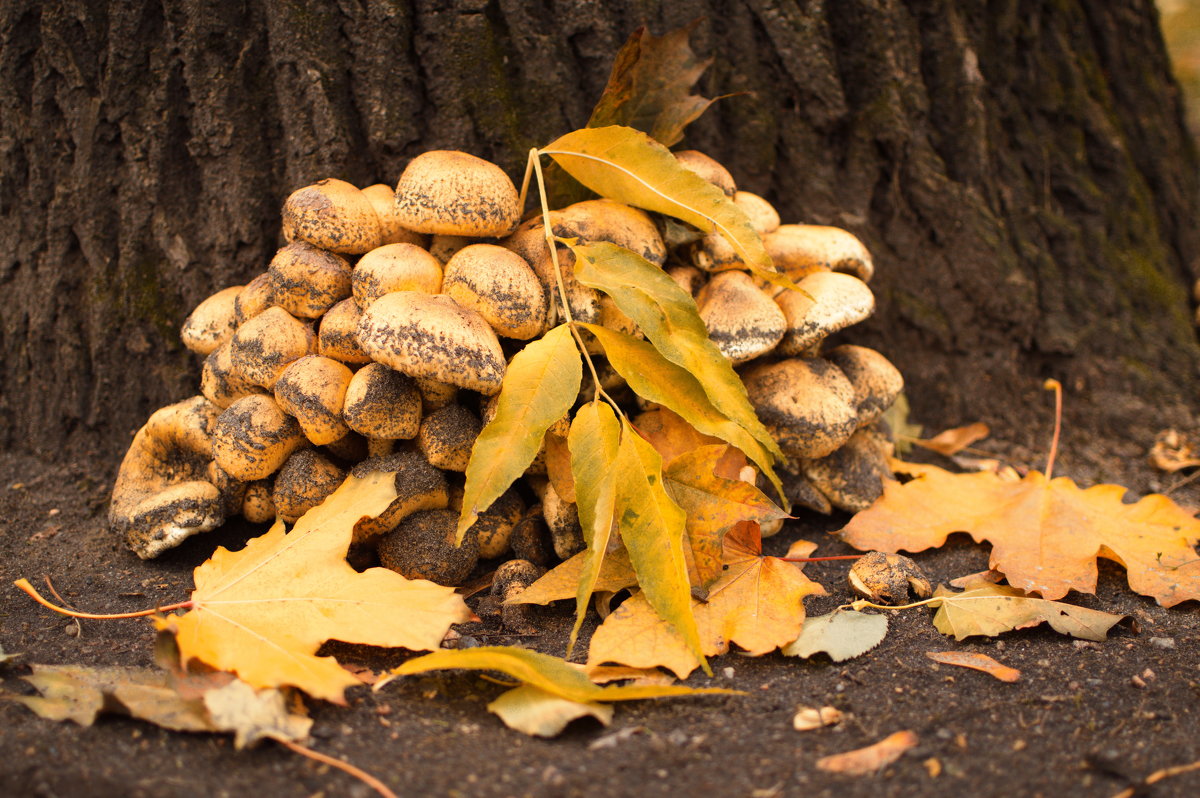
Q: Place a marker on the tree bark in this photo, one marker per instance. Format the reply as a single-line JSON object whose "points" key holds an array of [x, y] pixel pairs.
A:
{"points": [[1019, 168]]}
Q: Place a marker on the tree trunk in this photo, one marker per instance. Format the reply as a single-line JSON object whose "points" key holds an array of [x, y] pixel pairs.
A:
{"points": [[1019, 168]]}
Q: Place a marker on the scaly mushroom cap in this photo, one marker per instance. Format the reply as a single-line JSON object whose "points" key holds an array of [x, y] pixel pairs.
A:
{"points": [[220, 382], [607, 220], [212, 323], [432, 336], [800, 249], [444, 247], [305, 480], [383, 403], [258, 506], [852, 477], [350, 448], [419, 486], [530, 539], [447, 435], [807, 405], [383, 200], [494, 526], [267, 344], [333, 215], [162, 495], [435, 395], [876, 381], [422, 547], [689, 278], [562, 517], [395, 267], [529, 242], [253, 437], [709, 169], [741, 319], [255, 297], [308, 281], [826, 302], [337, 337], [453, 193], [499, 285], [714, 253], [312, 390], [799, 491]]}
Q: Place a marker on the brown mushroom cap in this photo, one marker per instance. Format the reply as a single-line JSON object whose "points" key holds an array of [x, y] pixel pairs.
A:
{"points": [[308, 281], [709, 169], [333, 215], [742, 320], [762, 214], [254, 298], [453, 193], [253, 437], [435, 395], [258, 506], [419, 486], [494, 525], [263, 347], [383, 403], [312, 390], [807, 405], [445, 247], [800, 492], [826, 302], [212, 323], [499, 285], [530, 539], [851, 477], [383, 200], [876, 381], [422, 547], [395, 267], [220, 382], [434, 337], [305, 480], [447, 435], [337, 336], [800, 249], [689, 278], [529, 242]]}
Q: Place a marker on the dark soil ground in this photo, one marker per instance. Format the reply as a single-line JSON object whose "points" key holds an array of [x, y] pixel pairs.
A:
{"points": [[1076, 724]]}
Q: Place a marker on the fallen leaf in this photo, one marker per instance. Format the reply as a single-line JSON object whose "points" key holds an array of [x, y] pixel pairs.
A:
{"points": [[1046, 534], [976, 661], [262, 612], [669, 433], [987, 609], [533, 711], [558, 466], [1173, 452], [952, 441], [603, 674], [809, 718], [842, 634], [6, 657], [896, 420], [871, 759], [253, 715], [562, 581]]}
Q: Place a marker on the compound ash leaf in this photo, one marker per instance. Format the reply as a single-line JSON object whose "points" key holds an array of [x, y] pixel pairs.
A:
{"points": [[842, 634], [540, 385], [987, 609], [1045, 534], [262, 612]]}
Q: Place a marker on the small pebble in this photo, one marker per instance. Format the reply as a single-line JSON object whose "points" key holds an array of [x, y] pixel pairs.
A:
{"points": [[1137, 682], [71, 629], [727, 673], [1163, 642]]}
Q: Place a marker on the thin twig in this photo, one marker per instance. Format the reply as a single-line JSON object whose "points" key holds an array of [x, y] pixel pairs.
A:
{"points": [[362, 775]]}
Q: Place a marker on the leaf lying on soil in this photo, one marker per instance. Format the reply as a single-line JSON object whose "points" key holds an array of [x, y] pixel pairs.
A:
{"points": [[842, 634], [864, 761], [533, 711], [1046, 534], [977, 662], [987, 609]]}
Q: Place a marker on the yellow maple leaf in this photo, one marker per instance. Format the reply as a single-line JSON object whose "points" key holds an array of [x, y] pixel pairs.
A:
{"points": [[263, 612], [1046, 534]]}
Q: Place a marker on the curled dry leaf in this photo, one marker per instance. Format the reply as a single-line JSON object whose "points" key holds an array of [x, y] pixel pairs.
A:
{"points": [[952, 441], [808, 718], [864, 761], [1174, 451], [976, 661]]}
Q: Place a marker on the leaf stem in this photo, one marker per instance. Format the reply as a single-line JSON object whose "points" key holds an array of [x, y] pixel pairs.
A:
{"points": [[23, 585], [860, 603], [823, 559], [1056, 386], [533, 154], [362, 775]]}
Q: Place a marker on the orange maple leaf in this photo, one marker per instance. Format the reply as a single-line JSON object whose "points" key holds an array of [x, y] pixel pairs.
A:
{"points": [[263, 612], [1046, 534]]}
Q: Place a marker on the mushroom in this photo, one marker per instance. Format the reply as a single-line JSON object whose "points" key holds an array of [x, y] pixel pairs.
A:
{"points": [[162, 495], [499, 285], [433, 336], [762, 214], [350, 448], [452, 193], [333, 215], [220, 382], [807, 405], [212, 323], [419, 486], [887, 578], [337, 337], [742, 320], [253, 437], [254, 298], [689, 278], [714, 253], [852, 477], [508, 583], [263, 347], [799, 491], [258, 506], [392, 231], [562, 517], [709, 169], [382, 403], [447, 435], [422, 547], [308, 281], [876, 381], [826, 302], [494, 526], [395, 267], [305, 480], [435, 395], [529, 242], [313, 390], [445, 247], [530, 539], [802, 249]]}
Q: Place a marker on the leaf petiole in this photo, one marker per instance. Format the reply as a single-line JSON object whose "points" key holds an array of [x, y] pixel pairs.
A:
{"points": [[23, 585]]}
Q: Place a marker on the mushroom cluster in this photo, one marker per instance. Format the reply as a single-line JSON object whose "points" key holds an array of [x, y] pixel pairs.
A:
{"points": [[378, 337]]}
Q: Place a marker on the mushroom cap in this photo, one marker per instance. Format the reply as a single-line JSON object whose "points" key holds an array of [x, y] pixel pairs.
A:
{"points": [[312, 390], [709, 169], [422, 547], [447, 435], [220, 382], [350, 448], [562, 517], [392, 231], [304, 480], [434, 394], [419, 486], [807, 405], [742, 320], [444, 247], [689, 278], [333, 215], [529, 242], [494, 525], [453, 193], [530, 539], [800, 492], [608, 220], [498, 284], [433, 336], [713, 251], [800, 249], [395, 267], [851, 477], [826, 302], [253, 437], [308, 281], [255, 297], [762, 214], [876, 381], [212, 323], [383, 403], [263, 347], [258, 505], [337, 336]]}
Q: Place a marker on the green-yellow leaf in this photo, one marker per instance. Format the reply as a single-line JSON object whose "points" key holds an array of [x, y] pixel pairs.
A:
{"points": [[593, 440], [628, 166], [531, 710], [658, 380], [540, 385], [562, 581], [988, 609]]}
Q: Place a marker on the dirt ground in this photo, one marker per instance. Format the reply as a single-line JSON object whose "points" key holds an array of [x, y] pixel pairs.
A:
{"points": [[1076, 724]]}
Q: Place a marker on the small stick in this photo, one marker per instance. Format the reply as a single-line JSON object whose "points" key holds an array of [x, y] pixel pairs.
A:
{"points": [[61, 600], [363, 776], [1056, 386], [31, 591]]}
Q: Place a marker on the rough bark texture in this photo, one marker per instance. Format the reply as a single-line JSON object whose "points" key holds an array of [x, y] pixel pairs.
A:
{"points": [[1019, 168]]}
